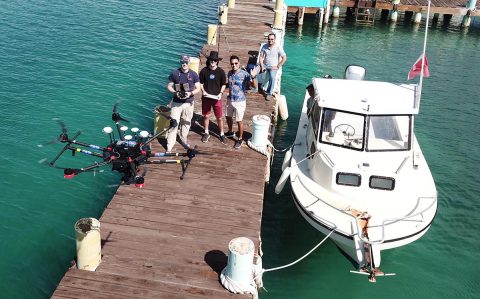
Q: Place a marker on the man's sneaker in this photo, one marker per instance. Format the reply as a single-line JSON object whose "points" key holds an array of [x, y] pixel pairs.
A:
{"points": [[229, 134], [223, 139], [205, 137], [238, 144]]}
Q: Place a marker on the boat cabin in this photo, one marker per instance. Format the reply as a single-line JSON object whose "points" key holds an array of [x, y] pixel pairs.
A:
{"points": [[363, 115]]}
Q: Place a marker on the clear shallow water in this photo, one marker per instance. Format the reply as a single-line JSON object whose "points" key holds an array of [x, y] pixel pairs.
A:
{"points": [[74, 60]]}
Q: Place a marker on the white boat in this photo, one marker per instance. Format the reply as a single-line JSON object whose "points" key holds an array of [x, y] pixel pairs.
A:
{"points": [[356, 167]]}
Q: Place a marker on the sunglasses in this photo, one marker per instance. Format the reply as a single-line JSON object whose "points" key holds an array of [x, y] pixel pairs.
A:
{"points": [[233, 63], [183, 62]]}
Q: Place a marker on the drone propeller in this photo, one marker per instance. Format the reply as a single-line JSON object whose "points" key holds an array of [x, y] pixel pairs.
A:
{"points": [[62, 137]]}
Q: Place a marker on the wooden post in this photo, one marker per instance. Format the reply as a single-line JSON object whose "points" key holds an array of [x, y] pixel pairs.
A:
{"points": [[300, 15], [435, 17], [327, 13], [231, 3], [394, 14], [471, 4], [223, 14], [418, 18], [212, 35], [279, 5], [278, 19], [320, 18]]}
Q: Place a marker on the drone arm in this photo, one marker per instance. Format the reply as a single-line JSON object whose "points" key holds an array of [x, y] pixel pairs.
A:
{"points": [[173, 124], [92, 166], [85, 152], [52, 163], [92, 146]]}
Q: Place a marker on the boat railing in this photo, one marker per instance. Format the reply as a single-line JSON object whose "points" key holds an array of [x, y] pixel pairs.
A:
{"points": [[384, 223], [405, 218]]}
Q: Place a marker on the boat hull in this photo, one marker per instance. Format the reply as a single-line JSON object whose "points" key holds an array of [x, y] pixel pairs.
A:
{"points": [[351, 245]]}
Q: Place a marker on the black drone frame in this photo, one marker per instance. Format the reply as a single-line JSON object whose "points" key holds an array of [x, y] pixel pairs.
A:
{"points": [[125, 156]]}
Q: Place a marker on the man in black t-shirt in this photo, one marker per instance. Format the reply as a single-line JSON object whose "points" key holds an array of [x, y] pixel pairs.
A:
{"points": [[213, 82]]}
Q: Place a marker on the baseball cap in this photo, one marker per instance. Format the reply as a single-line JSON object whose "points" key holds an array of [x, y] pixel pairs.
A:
{"points": [[184, 58]]}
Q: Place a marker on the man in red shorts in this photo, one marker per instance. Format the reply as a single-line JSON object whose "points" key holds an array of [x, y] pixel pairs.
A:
{"points": [[213, 82]]}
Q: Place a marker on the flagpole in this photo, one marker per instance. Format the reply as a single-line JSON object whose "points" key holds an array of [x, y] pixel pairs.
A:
{"points": [[420, 83]]}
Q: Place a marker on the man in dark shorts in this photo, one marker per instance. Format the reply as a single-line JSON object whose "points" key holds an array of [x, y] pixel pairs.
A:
{"points": [[213, 82]]}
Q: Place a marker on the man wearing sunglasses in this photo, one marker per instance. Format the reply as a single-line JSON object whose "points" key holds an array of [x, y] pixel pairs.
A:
{"points": [[238, 81], [184, 84], [271, 59]]}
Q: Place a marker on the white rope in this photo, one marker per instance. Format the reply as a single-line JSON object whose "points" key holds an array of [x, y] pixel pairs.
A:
{"points": [[261, 149], [259, 272], [238, 288]]}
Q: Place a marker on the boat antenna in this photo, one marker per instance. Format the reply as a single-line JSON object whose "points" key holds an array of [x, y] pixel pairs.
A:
{"points": [[420, 82]]}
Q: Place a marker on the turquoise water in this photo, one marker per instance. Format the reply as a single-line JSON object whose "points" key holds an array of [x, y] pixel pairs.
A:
{"points": [[74, 59], [442, 264]]}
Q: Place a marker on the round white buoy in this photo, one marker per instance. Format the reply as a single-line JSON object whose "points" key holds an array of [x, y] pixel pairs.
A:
{"points": [[261, 123], [123, 128], [144, 134], [282, 106], [128, 137], [237, 276], [88, 240], [282, 180], [286, 159], [134, 130]]}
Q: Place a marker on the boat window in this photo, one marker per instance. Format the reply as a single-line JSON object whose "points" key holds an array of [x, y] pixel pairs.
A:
{"points": [[383, 183], [349, 179], [343, 129], [389, 133]]}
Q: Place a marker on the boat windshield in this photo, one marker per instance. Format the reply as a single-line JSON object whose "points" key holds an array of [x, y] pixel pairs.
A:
{"points": [[384, 132], [343, 129], [388, 132]]}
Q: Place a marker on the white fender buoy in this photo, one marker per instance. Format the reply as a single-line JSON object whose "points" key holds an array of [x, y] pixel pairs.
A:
{"points": [[282, 180], [89, 250], [286, 159], [261, 124], [282, 107]]}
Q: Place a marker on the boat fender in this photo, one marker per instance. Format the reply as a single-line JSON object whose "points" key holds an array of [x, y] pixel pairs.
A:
{"points": [[286, 159], [283, 180], [282, 106]]}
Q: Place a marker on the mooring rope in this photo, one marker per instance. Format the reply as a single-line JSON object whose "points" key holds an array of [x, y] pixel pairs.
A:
{"points": [[301, 258]]}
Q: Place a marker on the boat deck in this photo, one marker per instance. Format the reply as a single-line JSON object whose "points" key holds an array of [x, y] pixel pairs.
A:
{"points": [[170, 239]]}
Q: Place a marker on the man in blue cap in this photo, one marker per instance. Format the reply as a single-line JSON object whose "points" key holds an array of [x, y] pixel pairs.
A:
{"points": [[184, 84]]}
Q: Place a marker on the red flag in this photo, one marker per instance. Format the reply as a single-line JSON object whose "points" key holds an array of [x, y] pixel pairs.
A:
{"points": [[417, 68]]}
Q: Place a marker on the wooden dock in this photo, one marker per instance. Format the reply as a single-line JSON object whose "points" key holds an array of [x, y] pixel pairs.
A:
{"points": [[444, 7], [170, 239]]}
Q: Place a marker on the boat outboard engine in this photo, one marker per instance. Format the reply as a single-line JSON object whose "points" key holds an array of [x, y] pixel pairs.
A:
{"points": [[355, 72]]}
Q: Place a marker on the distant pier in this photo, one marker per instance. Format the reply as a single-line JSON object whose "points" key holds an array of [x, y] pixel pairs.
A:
{"points": [[366, 10], [170, 239]]}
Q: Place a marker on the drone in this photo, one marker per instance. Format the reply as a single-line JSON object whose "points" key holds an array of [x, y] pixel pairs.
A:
{"points": [[126, 154]]}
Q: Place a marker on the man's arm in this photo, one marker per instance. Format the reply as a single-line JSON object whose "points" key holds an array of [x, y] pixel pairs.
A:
{"points": [[282, 61], [170, 87]]}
